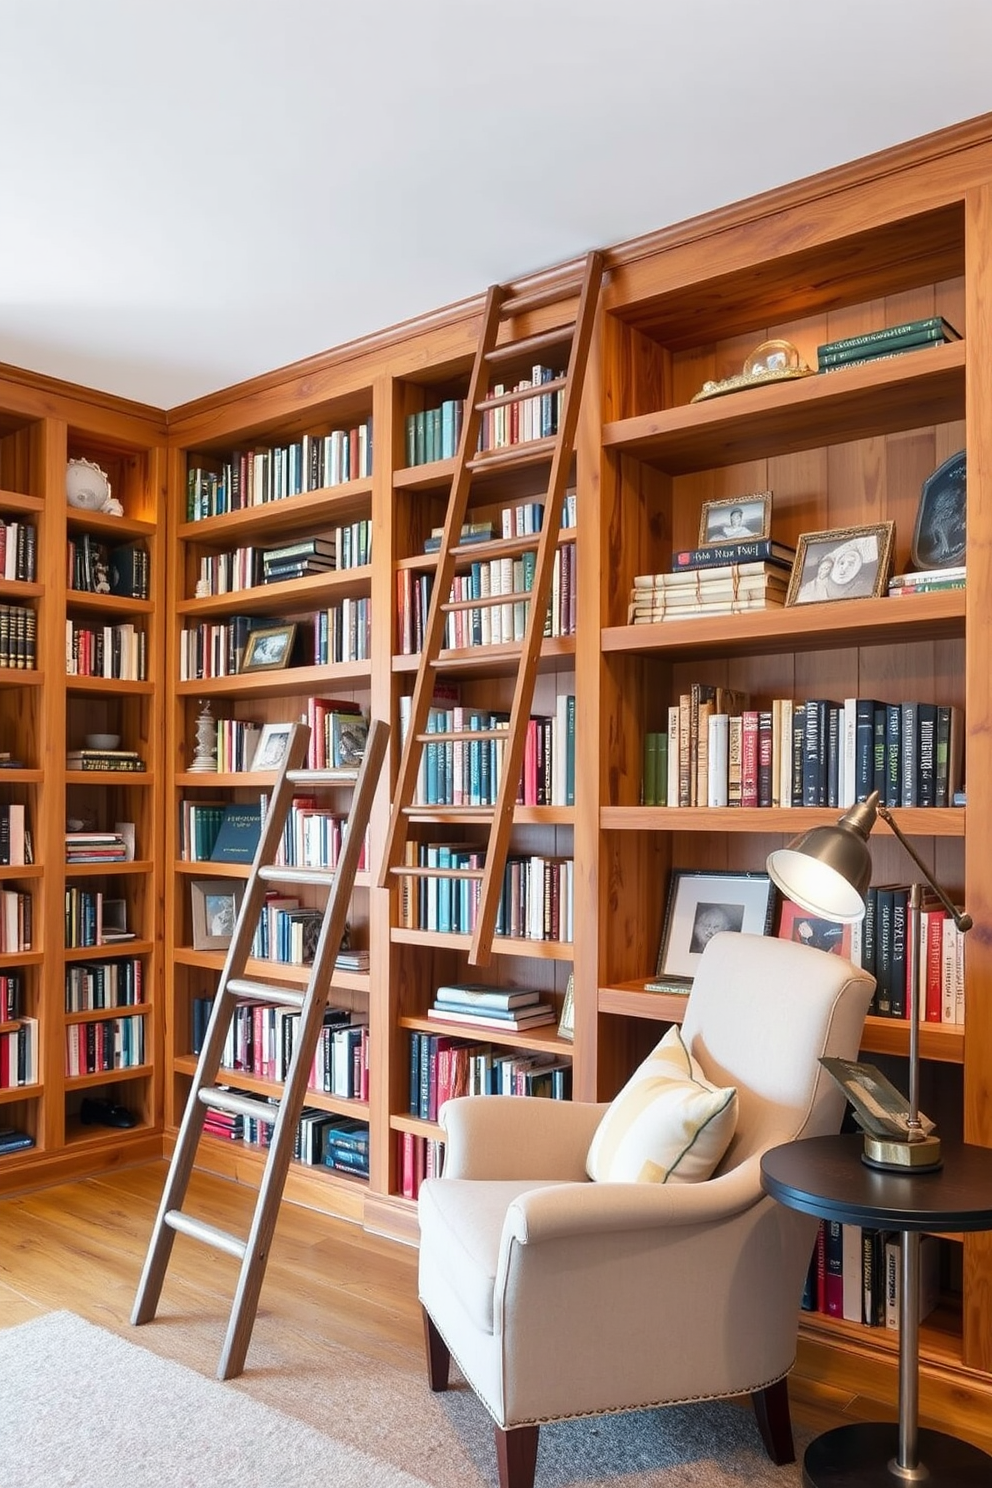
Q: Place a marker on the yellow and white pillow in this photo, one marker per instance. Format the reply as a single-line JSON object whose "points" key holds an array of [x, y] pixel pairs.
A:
{"points": [[667, 1125]]}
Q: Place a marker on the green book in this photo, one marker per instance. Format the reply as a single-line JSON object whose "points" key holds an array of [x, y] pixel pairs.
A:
{"points": [[932, 328]]}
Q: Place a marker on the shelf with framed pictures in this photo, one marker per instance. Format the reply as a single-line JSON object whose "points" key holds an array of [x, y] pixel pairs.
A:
{"points": [[272, 623], [844, 453]]}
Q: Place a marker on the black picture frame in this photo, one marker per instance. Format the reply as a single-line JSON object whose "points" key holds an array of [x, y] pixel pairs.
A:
{"points": [[702, 902], [940, 533]]}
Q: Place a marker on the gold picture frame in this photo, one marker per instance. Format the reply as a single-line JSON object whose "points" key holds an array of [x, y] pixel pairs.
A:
{"points": [[269, 650], [842, 563], [735, 519]]}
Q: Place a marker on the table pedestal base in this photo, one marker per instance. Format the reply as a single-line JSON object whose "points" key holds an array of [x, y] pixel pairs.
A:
{"points": [[863, 1455]]}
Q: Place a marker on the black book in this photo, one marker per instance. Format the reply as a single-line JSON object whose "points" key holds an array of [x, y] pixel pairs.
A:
{"points": [[897, 975], [883, 951], [893, 745], [878, 764], [864, 747], [128, 571], [868, 935], [926, 758], [909, 747]]}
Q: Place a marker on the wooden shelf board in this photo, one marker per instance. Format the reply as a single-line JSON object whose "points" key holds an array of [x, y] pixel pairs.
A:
{"points": [[917, 821], [543, 1040], [110, 686], [16, 501], [105, 952], [135, 867], [271, 971], [883, 397], [496, 661], [632, 1000], [109, 777], [546, 816], [108, 1077], [287, 682], [109, 528], [330, 506], [21, 677], [99, 1015], [499, 547], [21, 777], [321, 1100], [941, 1042], [538, 950], [17, 590], [815, 627], [314, 591], [107, 604], [10, 871], [417, 1126], [20, 958], [11, 1093]]}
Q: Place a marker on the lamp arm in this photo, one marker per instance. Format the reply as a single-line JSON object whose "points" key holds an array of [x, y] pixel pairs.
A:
{"points": [[962, 920]]}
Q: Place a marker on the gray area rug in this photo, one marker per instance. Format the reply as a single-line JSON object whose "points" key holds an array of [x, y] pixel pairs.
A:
{"points": [[84, 1408]]}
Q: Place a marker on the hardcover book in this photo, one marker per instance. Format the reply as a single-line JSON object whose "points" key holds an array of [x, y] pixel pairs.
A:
{"points": [[240, 830]]}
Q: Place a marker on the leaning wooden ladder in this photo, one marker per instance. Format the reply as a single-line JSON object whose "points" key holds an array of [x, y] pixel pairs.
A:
{"points": [[235, 987], [501, 305]]}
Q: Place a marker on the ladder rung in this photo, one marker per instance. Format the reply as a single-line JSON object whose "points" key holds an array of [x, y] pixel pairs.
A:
{"points": [[502, 547], [265, 992], [536, 299], [322, 777], [402, 872], [252, 1106], [198, 1229], [511, 350], [469, 814], [515, 454], [486, 601], [499, 651], [451, 736], [270, 873], [536, 390]]}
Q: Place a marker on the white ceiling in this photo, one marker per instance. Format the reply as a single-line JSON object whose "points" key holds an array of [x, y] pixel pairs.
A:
{"points": [[196, 192]]}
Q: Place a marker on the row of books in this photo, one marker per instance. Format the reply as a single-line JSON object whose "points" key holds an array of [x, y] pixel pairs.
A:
{"points": [[256, 476], [104, 1044], [855, 1274], [417, 1158], [689, 593], [883, 949], [97, 568], [321, 1139], [218, 649], [467, 772], [343, 632], [911, 335], [18, 638], [11, 993], [509, 1010], [525, 519], [18, 547], [93, 919], [443, 1066], [16, 848], [338, 733], [15, 921], [19, 1054], [261, 1037], [536, 902], [928, 581], [338, 548], [118, 651], [719, 751], [92, 985], [434, 433]]}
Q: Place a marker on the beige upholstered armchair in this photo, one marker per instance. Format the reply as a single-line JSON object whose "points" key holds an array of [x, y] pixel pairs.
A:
{"points": [[559, 1296]]}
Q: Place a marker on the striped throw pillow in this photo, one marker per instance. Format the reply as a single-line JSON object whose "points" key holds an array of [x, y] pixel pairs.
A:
{"points": [[667, 1125]]}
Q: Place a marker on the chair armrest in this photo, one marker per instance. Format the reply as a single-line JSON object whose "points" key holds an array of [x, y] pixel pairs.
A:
{"points": [[571, 1209], [510, 1136]]}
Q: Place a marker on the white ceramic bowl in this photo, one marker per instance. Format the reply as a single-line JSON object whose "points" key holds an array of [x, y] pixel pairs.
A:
{"points": [[103, 741]]}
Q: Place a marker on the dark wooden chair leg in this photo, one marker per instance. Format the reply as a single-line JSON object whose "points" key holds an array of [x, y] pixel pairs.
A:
{"points": [[438, 1357], [771, 1409], [516, 1456]]}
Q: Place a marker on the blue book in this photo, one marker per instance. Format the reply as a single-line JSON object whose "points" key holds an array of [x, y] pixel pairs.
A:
{"points": [[240, 830]]}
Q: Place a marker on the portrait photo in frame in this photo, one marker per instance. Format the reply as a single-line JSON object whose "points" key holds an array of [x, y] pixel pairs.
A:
{"points": [[735, 519], [267, 650], [215, 904], [939, 537], [843, 563], [270, 750], [703, 902]]}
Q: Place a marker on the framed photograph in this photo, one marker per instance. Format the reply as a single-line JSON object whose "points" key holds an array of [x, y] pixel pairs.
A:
{"points": [[268, 650], [736, 519], [270, 751], [823, 935], [702, 903], [215, 904], [566, 1023], [939, 534], [847, 563]]}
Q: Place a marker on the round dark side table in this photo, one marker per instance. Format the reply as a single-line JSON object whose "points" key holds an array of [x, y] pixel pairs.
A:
{"points": [[825, 1177]]}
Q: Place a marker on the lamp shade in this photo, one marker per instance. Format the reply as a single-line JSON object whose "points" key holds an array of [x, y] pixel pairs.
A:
{"points": [[827, 870]]}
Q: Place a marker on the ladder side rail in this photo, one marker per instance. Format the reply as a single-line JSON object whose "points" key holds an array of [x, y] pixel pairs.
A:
{"points": [[296, 1083], [208, 1064], [423, 689], [540, 594]]}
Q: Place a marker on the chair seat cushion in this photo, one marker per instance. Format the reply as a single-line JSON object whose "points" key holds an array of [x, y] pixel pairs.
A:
{"points": [[667, 1125], [462, 1219]]}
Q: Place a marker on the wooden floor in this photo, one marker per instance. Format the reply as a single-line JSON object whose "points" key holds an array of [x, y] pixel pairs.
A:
{"points": [[82, 1245]]}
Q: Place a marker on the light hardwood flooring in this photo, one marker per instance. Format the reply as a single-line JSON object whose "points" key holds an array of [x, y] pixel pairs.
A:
{"points": [[81, 1246]]}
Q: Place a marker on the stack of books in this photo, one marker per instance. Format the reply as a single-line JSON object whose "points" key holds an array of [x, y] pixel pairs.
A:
{"points": [[728, 589], [95, 847], [510, 1010], [471, 532], [346, 1146], [104, 759], [912, 335], [311, 555], [927, 580]]}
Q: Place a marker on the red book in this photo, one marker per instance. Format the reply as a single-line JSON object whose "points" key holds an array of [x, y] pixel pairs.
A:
{"points": [[749, 757], [834, 1268], [932, 954]]}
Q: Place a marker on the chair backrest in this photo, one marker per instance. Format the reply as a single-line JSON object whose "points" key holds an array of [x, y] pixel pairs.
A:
{"points": [[760, 1014]]}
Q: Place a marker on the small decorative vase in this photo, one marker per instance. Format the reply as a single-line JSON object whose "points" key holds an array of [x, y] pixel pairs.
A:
{"points": [[205, 757]]}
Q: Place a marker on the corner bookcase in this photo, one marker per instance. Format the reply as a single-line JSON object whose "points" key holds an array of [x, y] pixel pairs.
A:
{"points": [[77, 990]]}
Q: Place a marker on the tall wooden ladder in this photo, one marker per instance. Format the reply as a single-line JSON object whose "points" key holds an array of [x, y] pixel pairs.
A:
{"points": [[470, 463], [235, 987]]}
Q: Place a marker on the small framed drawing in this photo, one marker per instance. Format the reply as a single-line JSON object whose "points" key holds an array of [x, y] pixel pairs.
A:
{"points": [[702, 903], [823, 935], [939, 538], [268, 649], [847, 563], [270, 750], [736, 519], [215, 905], [566, 1023]]}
